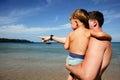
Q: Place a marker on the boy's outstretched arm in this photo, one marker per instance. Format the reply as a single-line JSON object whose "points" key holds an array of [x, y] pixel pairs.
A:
{"points": [[55, 38], [100, 35]]}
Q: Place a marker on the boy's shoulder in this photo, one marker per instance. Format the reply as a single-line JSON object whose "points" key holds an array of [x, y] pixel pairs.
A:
{"points": [[70, 33]]}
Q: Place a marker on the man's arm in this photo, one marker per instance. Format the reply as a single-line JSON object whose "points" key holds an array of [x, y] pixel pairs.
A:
{"points": [[90, 67], [57, 39]]}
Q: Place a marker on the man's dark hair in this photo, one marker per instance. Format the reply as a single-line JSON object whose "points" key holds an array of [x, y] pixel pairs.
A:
{"points": [[96, 15]]}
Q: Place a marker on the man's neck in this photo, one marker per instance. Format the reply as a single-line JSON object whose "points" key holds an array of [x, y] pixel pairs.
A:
{"points": [[97, 29]]}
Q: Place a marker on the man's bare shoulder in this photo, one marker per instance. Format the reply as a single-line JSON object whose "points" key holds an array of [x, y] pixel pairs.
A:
{"points": [[98, 45], [94, 41]]}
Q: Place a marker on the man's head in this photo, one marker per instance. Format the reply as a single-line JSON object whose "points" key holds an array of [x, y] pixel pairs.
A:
{"points": [[95, 18], [80, 15]]}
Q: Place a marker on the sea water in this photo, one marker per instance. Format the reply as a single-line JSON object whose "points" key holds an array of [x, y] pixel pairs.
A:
{"points": [[41, 50], [37, 49], [39, 53]]}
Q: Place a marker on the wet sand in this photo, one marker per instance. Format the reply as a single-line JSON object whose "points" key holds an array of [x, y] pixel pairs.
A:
{"points": [[29, 68], [113, 71], [32, 73]]}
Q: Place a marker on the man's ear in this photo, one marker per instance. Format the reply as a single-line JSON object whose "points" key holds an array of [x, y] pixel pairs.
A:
{"points": [[95, 23]]}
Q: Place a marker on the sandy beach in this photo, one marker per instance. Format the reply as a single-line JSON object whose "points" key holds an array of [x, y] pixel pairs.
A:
{"points": [[34, 69], [31, 69], [33, 73], [113, 70]]}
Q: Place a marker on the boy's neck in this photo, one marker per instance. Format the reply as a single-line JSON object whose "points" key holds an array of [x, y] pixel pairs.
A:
{"points": [[80, 27]]}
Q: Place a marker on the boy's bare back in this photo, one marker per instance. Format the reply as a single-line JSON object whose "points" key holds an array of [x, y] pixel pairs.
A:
{"points": [[78, 40]]}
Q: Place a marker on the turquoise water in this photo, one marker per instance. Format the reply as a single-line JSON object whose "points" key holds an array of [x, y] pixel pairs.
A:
{"points": [[41, 49], [38, 51], [116, 49]]}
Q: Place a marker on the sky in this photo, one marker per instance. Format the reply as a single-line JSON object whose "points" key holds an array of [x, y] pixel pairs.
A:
{"points": [[28, 19]]}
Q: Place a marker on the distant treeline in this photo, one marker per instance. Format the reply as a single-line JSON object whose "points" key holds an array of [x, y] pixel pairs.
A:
{"points": [[15, 40]]}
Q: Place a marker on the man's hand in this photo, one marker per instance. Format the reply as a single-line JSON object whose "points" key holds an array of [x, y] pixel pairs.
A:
{"points": [[44, 38]]}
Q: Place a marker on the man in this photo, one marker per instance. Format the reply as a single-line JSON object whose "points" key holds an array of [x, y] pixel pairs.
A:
{"points": [[98, 54]]}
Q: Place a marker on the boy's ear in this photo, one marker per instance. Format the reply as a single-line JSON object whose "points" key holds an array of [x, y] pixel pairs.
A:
{"points": [[76, 23]]}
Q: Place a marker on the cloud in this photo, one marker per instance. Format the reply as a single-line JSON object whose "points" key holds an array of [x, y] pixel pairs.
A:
{"points": [[116, 38], [7, 19], [15, 15], [49, 1], [110, 15], [56, 19], [99, 1], [96, 1], [22, 29]]}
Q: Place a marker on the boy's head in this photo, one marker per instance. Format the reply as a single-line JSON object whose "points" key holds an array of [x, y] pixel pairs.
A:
{"points": [[96, 15], [82, 16]]}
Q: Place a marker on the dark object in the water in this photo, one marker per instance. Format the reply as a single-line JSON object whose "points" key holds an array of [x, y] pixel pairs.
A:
{"points": [[48, 42]]}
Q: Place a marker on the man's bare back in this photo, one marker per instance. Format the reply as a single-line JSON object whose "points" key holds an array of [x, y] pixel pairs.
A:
{"points": [[106, 58], [101, 51]]}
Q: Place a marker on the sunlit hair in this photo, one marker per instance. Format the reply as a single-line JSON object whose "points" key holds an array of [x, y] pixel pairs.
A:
{"points": [[81, 15]]}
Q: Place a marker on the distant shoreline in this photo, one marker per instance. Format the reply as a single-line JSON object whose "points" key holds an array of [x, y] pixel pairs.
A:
{"points": [[26, 41], [15, 40]]}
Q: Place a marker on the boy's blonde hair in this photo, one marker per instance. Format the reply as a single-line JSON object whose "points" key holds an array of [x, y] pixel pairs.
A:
{"points": [[82, 16]]}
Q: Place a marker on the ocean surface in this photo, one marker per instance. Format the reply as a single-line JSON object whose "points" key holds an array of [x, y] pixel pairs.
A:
{"points": [[41, 55]]}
